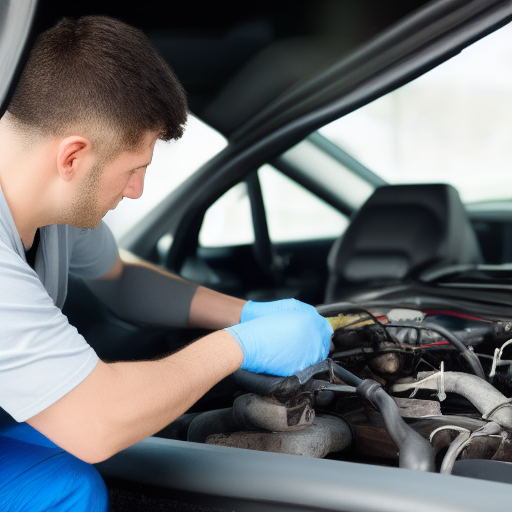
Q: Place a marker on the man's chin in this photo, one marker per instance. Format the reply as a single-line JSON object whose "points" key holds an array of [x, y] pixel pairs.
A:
{"points": [[85, 223]]}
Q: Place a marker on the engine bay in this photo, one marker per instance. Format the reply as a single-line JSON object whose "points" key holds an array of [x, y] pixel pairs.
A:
{"points": [[427, 389]]}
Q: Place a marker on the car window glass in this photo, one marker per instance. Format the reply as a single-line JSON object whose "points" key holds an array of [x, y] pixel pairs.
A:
{"points": [[172, 163], [228, 221], [294, 213], [314, 164], [451, 125]]}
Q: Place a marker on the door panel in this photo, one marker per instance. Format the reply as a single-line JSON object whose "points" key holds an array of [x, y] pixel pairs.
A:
{"points": [[266, 238], [234, 270]]}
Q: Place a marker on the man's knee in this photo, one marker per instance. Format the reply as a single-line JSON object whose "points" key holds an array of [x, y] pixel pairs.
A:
{"points": [[79, 485], [38, 478]]}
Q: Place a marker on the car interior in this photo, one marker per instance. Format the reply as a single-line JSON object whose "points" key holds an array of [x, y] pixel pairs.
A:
{"points": [[400, 232], [415, 281]]}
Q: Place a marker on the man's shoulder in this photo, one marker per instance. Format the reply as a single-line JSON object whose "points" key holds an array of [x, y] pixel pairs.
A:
{"points": [[7, 244], [8, 233]]}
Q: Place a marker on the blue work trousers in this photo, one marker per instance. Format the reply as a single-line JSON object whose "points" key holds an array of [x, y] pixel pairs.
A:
{"points": [[36, 475]]}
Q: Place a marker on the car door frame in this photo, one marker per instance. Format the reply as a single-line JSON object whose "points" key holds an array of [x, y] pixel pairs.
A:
{"points": [[17, 35]]}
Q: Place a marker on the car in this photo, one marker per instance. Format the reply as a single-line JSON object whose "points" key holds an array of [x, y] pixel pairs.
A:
{"points": [[304, 200]]}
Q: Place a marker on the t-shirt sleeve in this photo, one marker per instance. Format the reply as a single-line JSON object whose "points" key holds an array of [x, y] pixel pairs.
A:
{"points": [[42, 357], [93, 251]]}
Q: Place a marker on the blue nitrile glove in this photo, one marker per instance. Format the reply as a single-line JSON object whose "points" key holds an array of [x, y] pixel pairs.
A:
{"points": [[284, 342], [253, 310]]}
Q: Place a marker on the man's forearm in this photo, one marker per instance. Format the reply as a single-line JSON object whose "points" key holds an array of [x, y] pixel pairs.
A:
{"points": [[147, 294], [139, 291], [213, 310], [121, 403]]}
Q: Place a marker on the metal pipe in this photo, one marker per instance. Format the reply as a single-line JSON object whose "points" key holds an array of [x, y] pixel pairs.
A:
{"points": [[492, 404]]}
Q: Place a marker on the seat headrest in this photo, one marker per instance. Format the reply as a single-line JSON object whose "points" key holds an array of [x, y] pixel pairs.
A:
{"points": [[401, 231]]}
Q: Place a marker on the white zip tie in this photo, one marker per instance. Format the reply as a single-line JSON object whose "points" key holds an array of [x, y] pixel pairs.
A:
{"points": [[495, 359], [440, 381], [498, 352]]}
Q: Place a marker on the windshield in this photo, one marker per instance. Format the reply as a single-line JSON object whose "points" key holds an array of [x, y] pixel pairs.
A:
{"points": [[452, 125]]}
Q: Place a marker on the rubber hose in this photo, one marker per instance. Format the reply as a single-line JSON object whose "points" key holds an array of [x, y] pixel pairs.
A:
{"points": [[415, 452], [492, 404], [346, 376], [267, 385]]}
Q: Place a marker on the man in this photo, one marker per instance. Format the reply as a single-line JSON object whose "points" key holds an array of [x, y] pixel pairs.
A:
{"points": [[77, 137]]}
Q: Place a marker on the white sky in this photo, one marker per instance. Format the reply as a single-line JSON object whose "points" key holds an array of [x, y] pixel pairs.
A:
{"points": [[452, 125]]}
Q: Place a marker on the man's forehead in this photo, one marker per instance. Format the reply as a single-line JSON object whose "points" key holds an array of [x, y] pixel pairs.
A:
{"points": [[143, 154]]}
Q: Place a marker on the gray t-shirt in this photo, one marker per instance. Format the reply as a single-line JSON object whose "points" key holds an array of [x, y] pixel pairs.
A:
{"points": [[42, 357]]}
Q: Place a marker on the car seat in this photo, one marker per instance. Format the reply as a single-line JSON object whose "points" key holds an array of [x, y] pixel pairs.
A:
{"points": [[400, 232]]}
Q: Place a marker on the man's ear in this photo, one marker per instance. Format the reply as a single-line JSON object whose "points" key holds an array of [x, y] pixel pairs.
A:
{"points": [[73, 155]]}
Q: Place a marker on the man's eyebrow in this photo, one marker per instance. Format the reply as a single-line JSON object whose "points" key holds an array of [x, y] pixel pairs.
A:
{"points": [[141, 166]]}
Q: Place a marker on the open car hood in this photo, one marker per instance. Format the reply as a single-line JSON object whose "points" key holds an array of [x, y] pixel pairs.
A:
{"points": [[414, 45], [250, 82], [16, 35]]}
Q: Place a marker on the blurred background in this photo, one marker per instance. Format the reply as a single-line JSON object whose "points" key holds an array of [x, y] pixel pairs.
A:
{"points": [[452, 125]]}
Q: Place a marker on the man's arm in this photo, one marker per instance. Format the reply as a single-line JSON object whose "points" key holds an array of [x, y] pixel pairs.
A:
{"points": [[138, 290], [214, 310], [119, 404]]}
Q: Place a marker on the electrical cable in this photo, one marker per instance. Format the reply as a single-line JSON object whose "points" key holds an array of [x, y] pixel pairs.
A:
{"points": [[346, 376], [373, 317], [457, 315], [352, 352], [467, 354]]}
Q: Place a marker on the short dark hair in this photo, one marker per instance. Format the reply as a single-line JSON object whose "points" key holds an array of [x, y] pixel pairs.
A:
{"points": [[99, 70]]}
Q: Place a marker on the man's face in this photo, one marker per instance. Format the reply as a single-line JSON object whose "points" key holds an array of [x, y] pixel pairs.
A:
{"points": [[103, 188]]}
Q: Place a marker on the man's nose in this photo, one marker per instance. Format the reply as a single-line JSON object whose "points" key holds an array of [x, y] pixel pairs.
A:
{"points": [[135, 185]]}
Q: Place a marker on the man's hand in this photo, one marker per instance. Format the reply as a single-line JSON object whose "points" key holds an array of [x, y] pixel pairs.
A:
{"points": [[284, 342]]}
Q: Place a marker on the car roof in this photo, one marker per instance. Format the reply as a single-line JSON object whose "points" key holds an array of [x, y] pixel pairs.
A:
{"points": [[249, 68], [248, 52], [234, 58]]}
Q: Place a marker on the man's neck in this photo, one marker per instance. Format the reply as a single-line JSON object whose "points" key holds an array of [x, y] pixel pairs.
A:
{"points": [[23, 182], [28, 241]]}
